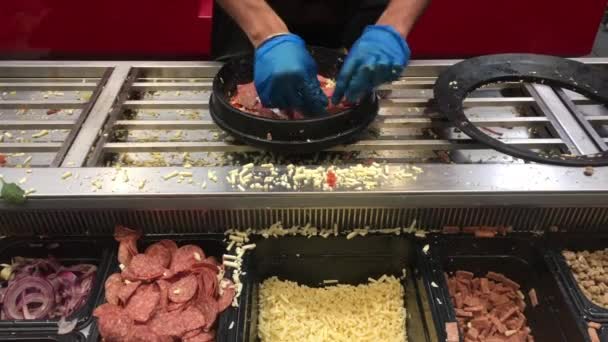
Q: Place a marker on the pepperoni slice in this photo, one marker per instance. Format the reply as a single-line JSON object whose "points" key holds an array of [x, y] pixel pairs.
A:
{"points": [[127, 290], [201, 337], [160, 253], [192, 333], [185, 257], [208, 307], [144, 267], [205, 264], [143, 303], [226, 298], [177, 324], [126, 250], [122, 233], [213, 260], [192, 318], [142, 333], [176, 306], [112, 287], [169, 244], [163, 286], [209, 283], [113, 322], [183, 290]]}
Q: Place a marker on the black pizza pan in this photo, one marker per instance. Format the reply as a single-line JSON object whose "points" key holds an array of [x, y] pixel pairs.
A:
{"points": [[288, 136], [457, 81]]}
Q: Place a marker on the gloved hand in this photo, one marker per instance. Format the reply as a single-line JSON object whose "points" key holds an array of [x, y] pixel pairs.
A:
{"points": [[377, 57], [285, 76]]}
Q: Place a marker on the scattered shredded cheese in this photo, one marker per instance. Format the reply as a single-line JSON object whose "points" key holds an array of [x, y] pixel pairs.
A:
{"points": [[40, 134]]}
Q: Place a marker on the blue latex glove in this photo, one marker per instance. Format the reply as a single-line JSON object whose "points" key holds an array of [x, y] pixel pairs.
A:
{"points": [[285, 76], [377, 57]]}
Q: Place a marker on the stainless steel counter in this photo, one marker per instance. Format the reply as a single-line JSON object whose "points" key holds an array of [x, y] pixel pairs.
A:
{"points": [[111, 134]]}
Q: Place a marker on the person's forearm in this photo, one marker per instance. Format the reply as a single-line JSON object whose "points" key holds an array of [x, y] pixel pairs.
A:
{"points": [[402, 14], [255, 17]]}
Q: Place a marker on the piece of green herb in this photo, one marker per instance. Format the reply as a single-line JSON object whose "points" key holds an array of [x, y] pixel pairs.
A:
{"points": [[12, 193]]}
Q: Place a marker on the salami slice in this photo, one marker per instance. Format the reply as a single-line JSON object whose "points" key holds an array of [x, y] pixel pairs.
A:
{"points": [[160, 253], [192, 318], [169, 244], [185, 257], [208, 307], [209, 283], [184, 289], [143, 303], [205, 265], [127, 290], [113, 323], [112, 287], [126, 251], [213, 260], [144, 267], [226, 298], [177, 324], [201, 337], [176, 306], [122, 233], [163, 286], [142, 333], [192, 333]]}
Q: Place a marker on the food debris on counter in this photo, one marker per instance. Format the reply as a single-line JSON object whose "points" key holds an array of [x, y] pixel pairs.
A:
{"points": [[289, 311], [354, 177], [590, 270], [167, 292], [40, 134], [488, 307], [478, 231]]}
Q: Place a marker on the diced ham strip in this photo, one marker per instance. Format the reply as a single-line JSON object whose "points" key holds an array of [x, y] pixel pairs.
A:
{"points": [[593, 335], [451, 330], [594, 325], [489, 308]]}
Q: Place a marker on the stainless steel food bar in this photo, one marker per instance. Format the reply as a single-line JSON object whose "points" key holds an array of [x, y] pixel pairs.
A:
{"points": [[159, 111], [42, 109]]}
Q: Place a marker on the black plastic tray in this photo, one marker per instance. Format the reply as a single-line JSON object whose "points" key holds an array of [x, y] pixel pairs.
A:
{"points": [[27, 337], [517, 258], [310, 261], [212, 245], [584, 306], [68, 251]]}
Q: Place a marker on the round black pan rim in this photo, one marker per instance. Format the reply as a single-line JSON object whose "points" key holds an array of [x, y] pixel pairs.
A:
{"points": [[295, 136], [303, 147], [284, 122], [458, 81]]}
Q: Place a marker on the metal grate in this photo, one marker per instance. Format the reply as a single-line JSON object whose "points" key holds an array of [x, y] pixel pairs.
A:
{"points": [[42, 110], [162, 119], [102, 222]]}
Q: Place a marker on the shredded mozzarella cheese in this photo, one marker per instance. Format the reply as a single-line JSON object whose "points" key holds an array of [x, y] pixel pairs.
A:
{"points": [[367, 312]]}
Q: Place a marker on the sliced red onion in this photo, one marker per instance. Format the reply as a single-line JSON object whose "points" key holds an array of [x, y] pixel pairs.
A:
{"points": [[43, 289], [31, 290]]}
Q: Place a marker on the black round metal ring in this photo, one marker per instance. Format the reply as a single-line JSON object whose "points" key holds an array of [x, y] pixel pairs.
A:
{"points": [[288, 136], [456, 82]]}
